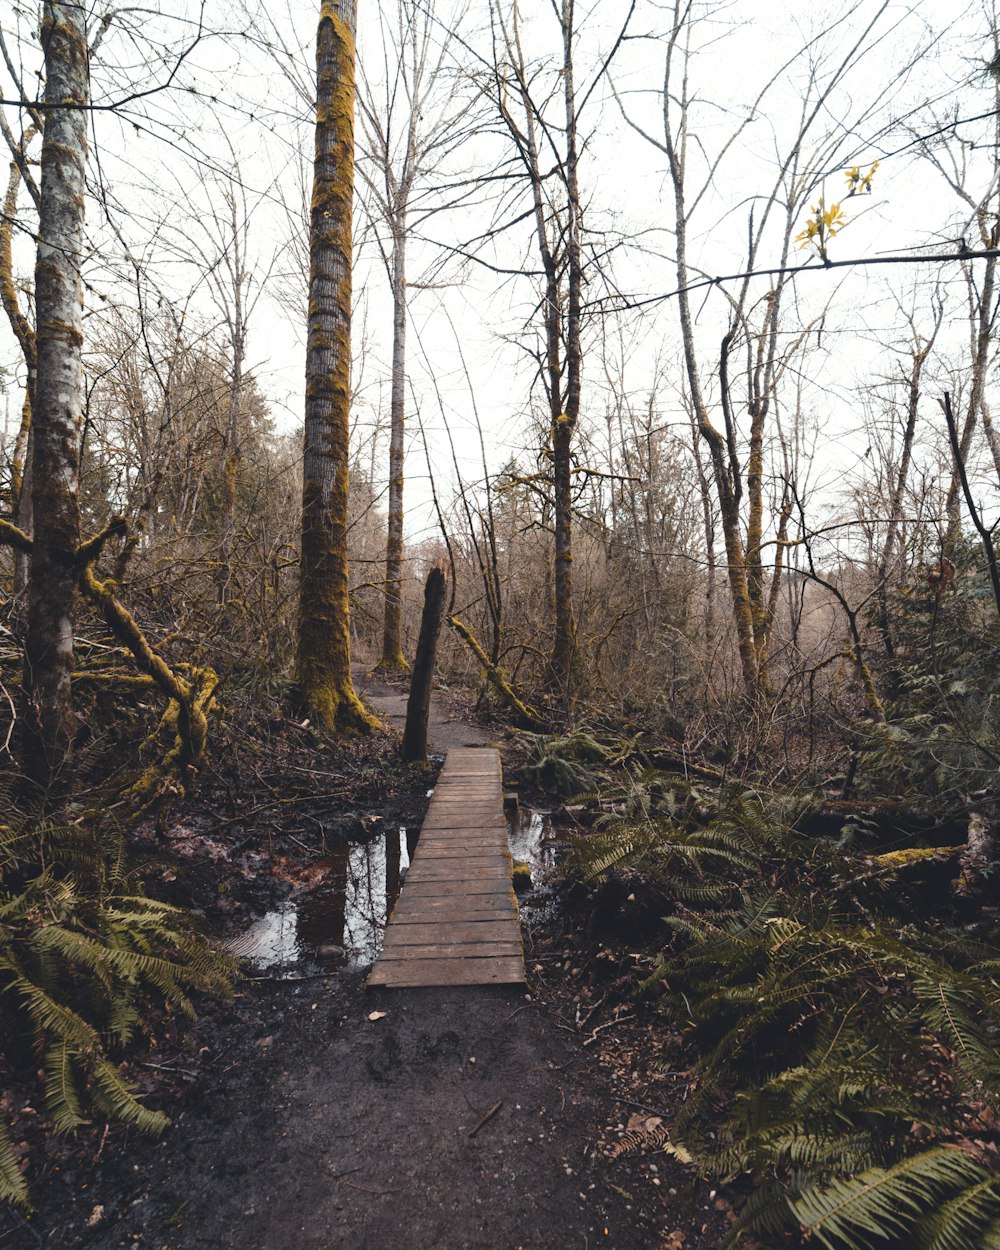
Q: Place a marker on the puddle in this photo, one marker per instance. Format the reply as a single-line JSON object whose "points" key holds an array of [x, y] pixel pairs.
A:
{"points": [[340, 921], [529, 834], [534, 841]]}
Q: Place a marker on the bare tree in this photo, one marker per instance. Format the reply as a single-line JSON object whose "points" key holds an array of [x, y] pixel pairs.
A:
{"points": [[752, 519], [57, 411], [548, 151], [412, 123]]}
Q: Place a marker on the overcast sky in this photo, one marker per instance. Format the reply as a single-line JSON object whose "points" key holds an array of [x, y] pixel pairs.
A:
{"points": [[238, 102]]}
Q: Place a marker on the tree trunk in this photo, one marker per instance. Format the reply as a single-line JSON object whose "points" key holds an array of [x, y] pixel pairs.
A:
{"points": [[565, 421], [59, 393], [392, 633], [231, 451], [324, 639], [418, 705], [20, 473]]}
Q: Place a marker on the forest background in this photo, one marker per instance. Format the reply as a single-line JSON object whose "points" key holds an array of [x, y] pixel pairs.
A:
{"points": [[673, 340]]}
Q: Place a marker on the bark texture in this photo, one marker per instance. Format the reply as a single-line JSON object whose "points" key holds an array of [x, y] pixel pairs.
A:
{"points": [[59, 393], [418, 707], [324, 645], [20, 470], [392, 632]]}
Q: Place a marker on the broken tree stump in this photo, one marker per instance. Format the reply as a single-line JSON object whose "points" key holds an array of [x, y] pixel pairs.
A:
{"points": [[418, 705]]}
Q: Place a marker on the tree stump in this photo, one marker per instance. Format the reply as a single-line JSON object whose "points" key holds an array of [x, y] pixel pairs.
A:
{"points": [[418, 705]]}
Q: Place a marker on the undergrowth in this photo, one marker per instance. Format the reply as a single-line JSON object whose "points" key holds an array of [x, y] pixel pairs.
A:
{"points": [[843, 1013], [85, 957]]}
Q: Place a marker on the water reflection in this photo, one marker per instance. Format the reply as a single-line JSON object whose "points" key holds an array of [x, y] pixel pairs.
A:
{"points": [[529, 834], [341, 921]]}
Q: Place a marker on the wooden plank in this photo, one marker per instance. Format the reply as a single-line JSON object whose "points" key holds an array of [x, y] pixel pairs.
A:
{"points": [[456, 920], [460, 819], [472, 868], [452, 950], [429, 932], [448, 906], [458, 887], [447, 850], [427, 973]]}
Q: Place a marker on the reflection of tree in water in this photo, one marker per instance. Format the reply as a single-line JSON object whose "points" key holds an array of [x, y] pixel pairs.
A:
{"points": [[322, 915], [351, 908]]}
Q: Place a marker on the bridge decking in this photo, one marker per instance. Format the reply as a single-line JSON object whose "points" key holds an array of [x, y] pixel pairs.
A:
{"points": [[455, 922]]}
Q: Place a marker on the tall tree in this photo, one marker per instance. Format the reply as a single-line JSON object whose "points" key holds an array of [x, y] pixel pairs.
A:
{"points": [[410, 127], [59, 389], [548, 150], [323, 668]]}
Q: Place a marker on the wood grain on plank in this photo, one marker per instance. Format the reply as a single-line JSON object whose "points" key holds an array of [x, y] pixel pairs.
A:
{"points": [[455, 922]]}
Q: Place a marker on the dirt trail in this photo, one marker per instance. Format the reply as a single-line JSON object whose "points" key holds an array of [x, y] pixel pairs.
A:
{"points": [[446, 727], [301, 1122]]}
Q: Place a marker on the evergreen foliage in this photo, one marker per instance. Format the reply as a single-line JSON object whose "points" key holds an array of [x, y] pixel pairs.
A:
{"points": [[940, 742], [846, 1026], [84, 955]]}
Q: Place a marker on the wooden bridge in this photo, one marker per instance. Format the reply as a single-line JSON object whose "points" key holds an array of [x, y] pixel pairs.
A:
{"points": [[455, 922]]}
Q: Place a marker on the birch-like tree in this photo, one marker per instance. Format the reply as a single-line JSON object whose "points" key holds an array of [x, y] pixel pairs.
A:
{"points": [[411, 123], [57, 402]]}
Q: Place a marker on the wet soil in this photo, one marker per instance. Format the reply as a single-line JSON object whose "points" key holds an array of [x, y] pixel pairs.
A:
{"points": [[311, 1112]]}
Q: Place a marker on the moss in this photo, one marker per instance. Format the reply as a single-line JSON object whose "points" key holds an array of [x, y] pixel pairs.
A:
{"points": [[496, 677], [323, 663], [188, 699], [521, 878], [896, 860], [11, 536]]}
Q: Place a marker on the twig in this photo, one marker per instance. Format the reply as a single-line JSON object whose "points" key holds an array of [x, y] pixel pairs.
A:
{"points": [[365, 1189], [601, 1027], [487, 1117], [641, 1106], [165, 1067], [582, 1024]]}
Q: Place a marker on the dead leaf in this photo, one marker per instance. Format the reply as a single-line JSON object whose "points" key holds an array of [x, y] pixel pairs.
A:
{"points": [[377, 1015]]}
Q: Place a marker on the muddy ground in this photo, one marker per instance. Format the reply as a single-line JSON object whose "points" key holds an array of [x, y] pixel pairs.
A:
{"points": [[315, 1113]]}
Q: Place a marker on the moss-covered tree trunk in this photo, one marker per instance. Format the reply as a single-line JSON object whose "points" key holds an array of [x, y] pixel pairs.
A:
{"points": [[59, 392], [324, 647], [392, 632], [20, 469]]}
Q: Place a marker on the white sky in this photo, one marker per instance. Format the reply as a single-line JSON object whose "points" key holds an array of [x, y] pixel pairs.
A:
{"points": [[152, 157]]}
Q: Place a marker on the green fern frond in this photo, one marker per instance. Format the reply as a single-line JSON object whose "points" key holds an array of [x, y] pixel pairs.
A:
{"points": [[861, 1211], [113, 1096], [13, 1188], [963, 1221], [61, 1097]]}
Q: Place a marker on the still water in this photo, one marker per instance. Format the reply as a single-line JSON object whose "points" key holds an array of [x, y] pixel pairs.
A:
{"points": [[340, 922]]}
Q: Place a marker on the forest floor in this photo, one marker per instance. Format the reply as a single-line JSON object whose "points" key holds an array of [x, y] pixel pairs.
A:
{"points": [[312, 1112]]}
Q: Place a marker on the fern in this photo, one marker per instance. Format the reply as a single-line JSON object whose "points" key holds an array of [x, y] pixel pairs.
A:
{"points": [[13, 1187], [886, 1203], [82, 956], [828, 1025]]}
